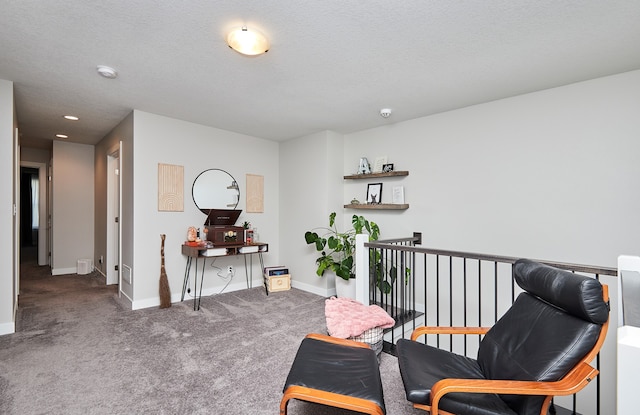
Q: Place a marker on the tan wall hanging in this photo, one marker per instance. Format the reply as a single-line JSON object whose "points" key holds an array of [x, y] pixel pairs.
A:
{"points": [[255, 193], [170, 188]]}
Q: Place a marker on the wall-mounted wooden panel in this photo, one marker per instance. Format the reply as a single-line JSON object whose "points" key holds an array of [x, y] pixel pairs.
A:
{"points": [[255, 193], [170, 188]]}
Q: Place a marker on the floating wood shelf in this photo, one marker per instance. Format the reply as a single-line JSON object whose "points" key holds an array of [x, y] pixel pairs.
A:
{"points": [[376, 175], [378, 206]]}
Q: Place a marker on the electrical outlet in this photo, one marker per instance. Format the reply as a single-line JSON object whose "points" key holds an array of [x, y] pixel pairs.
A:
{"points": [[101, 260], [230, 269]]}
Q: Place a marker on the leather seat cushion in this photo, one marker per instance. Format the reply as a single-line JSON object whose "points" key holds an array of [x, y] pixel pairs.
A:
{"points": [[421, 366], [345, 370]]}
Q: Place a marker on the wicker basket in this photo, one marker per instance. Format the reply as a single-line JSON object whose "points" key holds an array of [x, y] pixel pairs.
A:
{"points": [[373, 337]]}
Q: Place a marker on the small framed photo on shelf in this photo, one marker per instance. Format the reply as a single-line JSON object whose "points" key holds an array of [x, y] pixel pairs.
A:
{"points": [[386, 168], [374, 193], [398, 195], [377, 165]]}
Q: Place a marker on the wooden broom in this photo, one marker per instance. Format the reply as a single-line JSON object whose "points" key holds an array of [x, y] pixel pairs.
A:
{"points": [[165, 292]]}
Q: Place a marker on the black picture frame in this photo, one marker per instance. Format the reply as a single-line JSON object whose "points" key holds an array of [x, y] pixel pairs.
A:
{"points": [[374, 193], [387, 167]]}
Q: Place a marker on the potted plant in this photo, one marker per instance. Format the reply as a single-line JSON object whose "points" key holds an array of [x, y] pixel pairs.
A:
{"points": [[337, 247], [386, 272]]}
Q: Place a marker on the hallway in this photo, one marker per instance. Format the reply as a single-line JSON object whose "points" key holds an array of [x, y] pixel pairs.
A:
{"points": [[41, 293]]}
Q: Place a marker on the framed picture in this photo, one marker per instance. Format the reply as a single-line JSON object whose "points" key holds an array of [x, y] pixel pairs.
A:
{"points": [[377, 165], [398, 195], [374, 193], [387, 167]]}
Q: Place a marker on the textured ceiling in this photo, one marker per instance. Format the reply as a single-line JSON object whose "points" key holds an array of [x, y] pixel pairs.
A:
{"points": [[332, 65]]}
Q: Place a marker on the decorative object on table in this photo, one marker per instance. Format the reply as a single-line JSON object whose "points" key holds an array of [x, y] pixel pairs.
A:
{"points": [[165, 292], [248, 233], [221, 229], [192, 234], [378, 163], [364, 166], [374, 193], [386, 168], [398, 195], [194, 238], [338, 248], [255, 193], [170, 188], [355, 201]]}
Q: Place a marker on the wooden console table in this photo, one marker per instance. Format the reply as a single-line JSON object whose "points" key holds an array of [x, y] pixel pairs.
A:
{"points": [[202, 252]]}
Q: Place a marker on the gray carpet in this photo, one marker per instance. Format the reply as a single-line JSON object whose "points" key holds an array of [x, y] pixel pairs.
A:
{"points": [[77, 350]]}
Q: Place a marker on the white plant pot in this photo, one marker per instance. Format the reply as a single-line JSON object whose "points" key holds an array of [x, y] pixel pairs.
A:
{"points": [[346, 288]]}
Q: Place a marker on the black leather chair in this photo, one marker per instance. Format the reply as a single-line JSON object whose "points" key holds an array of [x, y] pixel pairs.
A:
{"points": [[540, 348]]}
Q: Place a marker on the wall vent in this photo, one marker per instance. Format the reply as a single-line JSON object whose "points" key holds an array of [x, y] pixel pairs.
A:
{"points": [[126, 273]]}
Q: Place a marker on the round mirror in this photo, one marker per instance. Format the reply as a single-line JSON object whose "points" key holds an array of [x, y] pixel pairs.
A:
{"points": [[215, 189]]}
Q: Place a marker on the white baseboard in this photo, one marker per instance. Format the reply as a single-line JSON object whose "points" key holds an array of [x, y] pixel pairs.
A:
{"points": [[7, 328], [206, 292], [313, 289], [122, 296], [64, 271]]}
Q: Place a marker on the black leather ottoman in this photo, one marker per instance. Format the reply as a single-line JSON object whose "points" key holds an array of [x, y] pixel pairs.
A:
{"points": [[335, 372]]}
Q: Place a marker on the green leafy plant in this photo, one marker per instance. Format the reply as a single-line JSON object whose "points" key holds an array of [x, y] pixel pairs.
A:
{"points": [[385, 271], [338, 248]]}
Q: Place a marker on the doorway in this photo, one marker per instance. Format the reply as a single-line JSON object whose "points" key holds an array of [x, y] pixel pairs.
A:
{"points": [[33, 212]]}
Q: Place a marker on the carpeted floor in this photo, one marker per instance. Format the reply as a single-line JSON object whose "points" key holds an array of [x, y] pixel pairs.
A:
{"points": [[78, 351]]}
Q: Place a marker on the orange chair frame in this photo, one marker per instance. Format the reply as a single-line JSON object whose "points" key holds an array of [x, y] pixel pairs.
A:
{"points": [[574, 381]]}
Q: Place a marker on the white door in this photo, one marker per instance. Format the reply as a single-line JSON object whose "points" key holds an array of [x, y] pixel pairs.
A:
{"points": [[16, 221], [113, 218]]}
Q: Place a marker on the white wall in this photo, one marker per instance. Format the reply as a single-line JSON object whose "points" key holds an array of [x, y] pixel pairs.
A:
{"points": [[36, 155], [550, 175], [72, 206], [123, 132], [310, 189], [7, 248], [159, 139]]}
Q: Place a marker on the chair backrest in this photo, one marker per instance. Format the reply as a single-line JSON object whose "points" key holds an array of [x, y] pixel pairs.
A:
{"points": [[549, 329]]}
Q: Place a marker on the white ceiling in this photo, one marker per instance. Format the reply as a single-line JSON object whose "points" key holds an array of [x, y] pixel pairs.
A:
{"points": [[332, 65]]}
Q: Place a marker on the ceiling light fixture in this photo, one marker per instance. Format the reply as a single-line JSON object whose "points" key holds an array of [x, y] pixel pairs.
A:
{"points": [[71, 117], [247, 42], [385, 112], [62, 136], [107, 72]]}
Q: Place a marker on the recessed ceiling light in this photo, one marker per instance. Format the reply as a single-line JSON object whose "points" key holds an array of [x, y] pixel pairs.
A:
{"points": [[62, 136], [107, 72], [71, 117]]}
